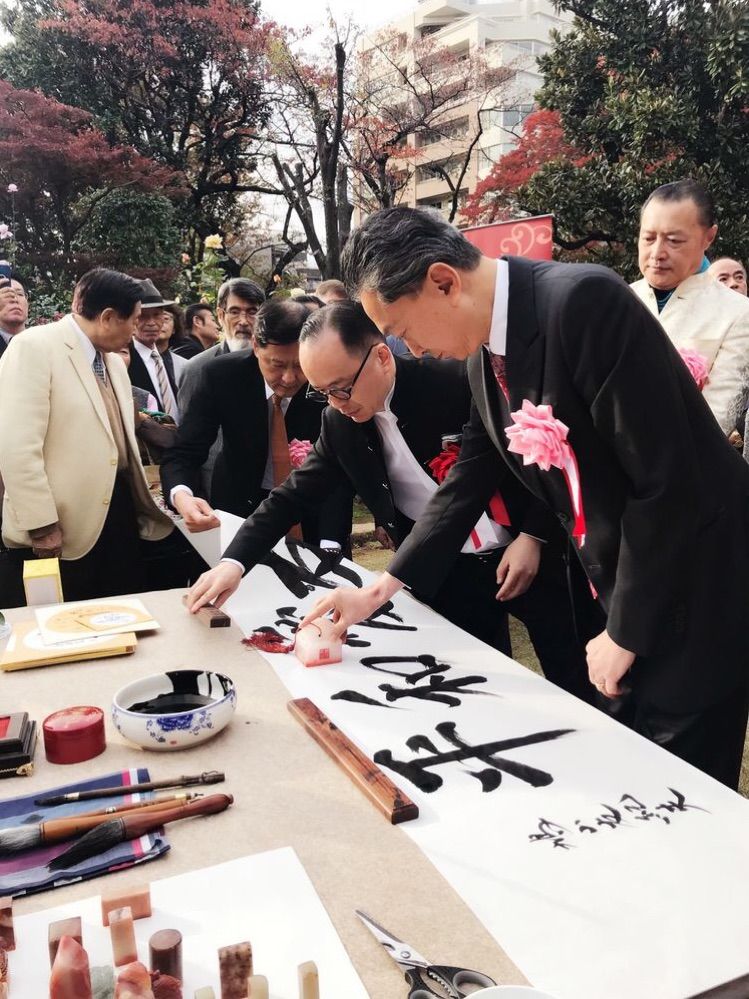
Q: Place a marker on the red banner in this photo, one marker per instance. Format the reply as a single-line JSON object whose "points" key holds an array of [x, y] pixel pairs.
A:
{"points": [[517, 237]]}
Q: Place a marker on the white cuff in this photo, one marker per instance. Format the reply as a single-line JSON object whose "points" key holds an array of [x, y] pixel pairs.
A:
{"points": [[179, 489], [325, 543], [233, 561]]}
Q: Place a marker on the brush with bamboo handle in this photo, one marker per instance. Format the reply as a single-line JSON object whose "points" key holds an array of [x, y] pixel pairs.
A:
{"points": [[133, 825], [20, 838]]}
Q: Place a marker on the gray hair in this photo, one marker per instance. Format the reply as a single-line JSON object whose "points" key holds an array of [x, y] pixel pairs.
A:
{"points": [[392, 251], [243, 288]]}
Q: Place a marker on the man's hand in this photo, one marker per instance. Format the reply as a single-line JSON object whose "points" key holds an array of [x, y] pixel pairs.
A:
{"points": [[607, 664], [196, 512], [518, 567], [8, 294], [47, 542], [349, 605], [214, 587], [384, 539]]}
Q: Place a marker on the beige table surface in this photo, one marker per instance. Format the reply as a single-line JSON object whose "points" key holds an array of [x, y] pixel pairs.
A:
{"points": [[287, 793]]}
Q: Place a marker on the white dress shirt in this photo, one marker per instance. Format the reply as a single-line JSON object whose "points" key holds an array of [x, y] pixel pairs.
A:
{"points": [[413, 487], [88, 348], [498, 330], [145, 355], [6, 336]]}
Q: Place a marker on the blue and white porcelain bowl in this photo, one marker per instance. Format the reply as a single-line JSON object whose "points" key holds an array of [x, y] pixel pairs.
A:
{"points": [[174, 710]]}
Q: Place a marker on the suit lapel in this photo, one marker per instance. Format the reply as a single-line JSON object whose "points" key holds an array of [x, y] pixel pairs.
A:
{"points": [[86, 374], [524, 373]]}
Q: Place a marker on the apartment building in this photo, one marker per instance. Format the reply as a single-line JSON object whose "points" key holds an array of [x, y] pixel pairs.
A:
{"points": [[510, 34]]}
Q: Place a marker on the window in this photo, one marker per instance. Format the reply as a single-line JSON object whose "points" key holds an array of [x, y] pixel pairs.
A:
{"points": [[432, 171], [455, 129], [488, 157]]}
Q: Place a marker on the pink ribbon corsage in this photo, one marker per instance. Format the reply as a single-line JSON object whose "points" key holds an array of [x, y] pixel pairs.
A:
{"points": [[699, 369], [541, 439], [298, 451]]}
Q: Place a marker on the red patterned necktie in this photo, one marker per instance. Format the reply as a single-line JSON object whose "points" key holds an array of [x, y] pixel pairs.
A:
{"points": [[498, 367], [279, 449]]}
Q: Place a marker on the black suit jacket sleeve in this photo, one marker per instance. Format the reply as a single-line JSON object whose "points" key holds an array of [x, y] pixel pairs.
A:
{"points": [[425, 558], [636, 385], [320, 483], [182, 463]]}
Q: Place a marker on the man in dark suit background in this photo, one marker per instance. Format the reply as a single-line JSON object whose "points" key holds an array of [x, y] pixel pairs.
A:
{"points": [[664, 495], [385, 423], [257, 400], [14, 310], [149, 369], [238, 302], [201, 331]]}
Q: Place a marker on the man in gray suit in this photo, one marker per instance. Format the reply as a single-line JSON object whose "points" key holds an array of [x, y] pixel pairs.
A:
{"points": [[238, 302]]}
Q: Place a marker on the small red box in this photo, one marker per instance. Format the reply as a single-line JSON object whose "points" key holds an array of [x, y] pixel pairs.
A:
{"points": [[73, 735]]}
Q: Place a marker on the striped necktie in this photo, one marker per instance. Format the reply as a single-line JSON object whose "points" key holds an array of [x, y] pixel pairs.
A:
{"points": [[168, 405], [98, 365]]}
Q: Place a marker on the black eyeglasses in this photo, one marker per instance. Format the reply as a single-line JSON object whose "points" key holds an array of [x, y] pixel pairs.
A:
{"points": [[344, 394]]}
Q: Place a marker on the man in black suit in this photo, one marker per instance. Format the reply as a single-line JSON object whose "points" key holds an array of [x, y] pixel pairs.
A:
{"points": [[149, 369], [257, 400], [386, 421], [14, 310], [658, 512], [201, 331]]}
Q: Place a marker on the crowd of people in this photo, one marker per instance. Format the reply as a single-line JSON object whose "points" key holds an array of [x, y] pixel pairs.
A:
{"points": [[535, 439]]}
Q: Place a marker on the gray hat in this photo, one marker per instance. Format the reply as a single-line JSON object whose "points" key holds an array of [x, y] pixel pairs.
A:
{"points": [[150, 297]]}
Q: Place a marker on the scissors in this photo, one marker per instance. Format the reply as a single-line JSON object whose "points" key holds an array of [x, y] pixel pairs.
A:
{"points": [[413, 965]]}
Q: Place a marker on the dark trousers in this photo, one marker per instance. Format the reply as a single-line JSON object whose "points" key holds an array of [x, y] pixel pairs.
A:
{"points": [[467, 599], [119, 563], [711, 740], [113, 567]]}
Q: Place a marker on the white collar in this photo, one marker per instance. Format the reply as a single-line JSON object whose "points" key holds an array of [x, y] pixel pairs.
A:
{"points": [[143, 350], [388, 399], [88, 347], [498, 330]]}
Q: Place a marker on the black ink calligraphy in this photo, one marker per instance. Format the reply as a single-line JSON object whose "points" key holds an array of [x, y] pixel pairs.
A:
{"points": [[436, 688], [419, 770], [630, 811]]}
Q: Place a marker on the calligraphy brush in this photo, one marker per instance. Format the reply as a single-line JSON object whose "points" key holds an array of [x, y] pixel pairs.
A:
{"points": [[207, 777], [20, 838], [158, 799], [133, 826]]}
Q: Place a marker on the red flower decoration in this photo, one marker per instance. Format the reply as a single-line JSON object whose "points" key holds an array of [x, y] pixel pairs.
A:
{"points": [[444, 461]]}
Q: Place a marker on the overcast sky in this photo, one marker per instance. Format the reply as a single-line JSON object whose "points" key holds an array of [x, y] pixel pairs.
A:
{"points": [[300, 13]]}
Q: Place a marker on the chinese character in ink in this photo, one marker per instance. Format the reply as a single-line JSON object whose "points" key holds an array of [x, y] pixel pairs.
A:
{"points": [[553, 833], [419, 770], [436, 688]]}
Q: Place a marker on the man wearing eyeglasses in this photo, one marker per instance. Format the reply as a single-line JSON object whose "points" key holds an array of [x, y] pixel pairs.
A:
{"points": [[257, 400], [385, 422], [238, 303]]}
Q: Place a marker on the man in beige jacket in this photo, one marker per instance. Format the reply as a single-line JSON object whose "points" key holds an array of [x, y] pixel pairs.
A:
{"points": [[74, 484], [677, 225]]}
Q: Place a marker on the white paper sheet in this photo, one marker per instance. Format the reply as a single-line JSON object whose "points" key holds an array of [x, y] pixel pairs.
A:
{"points": [[634, 901], [93, 619], [267, 899], [210, 545]]}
